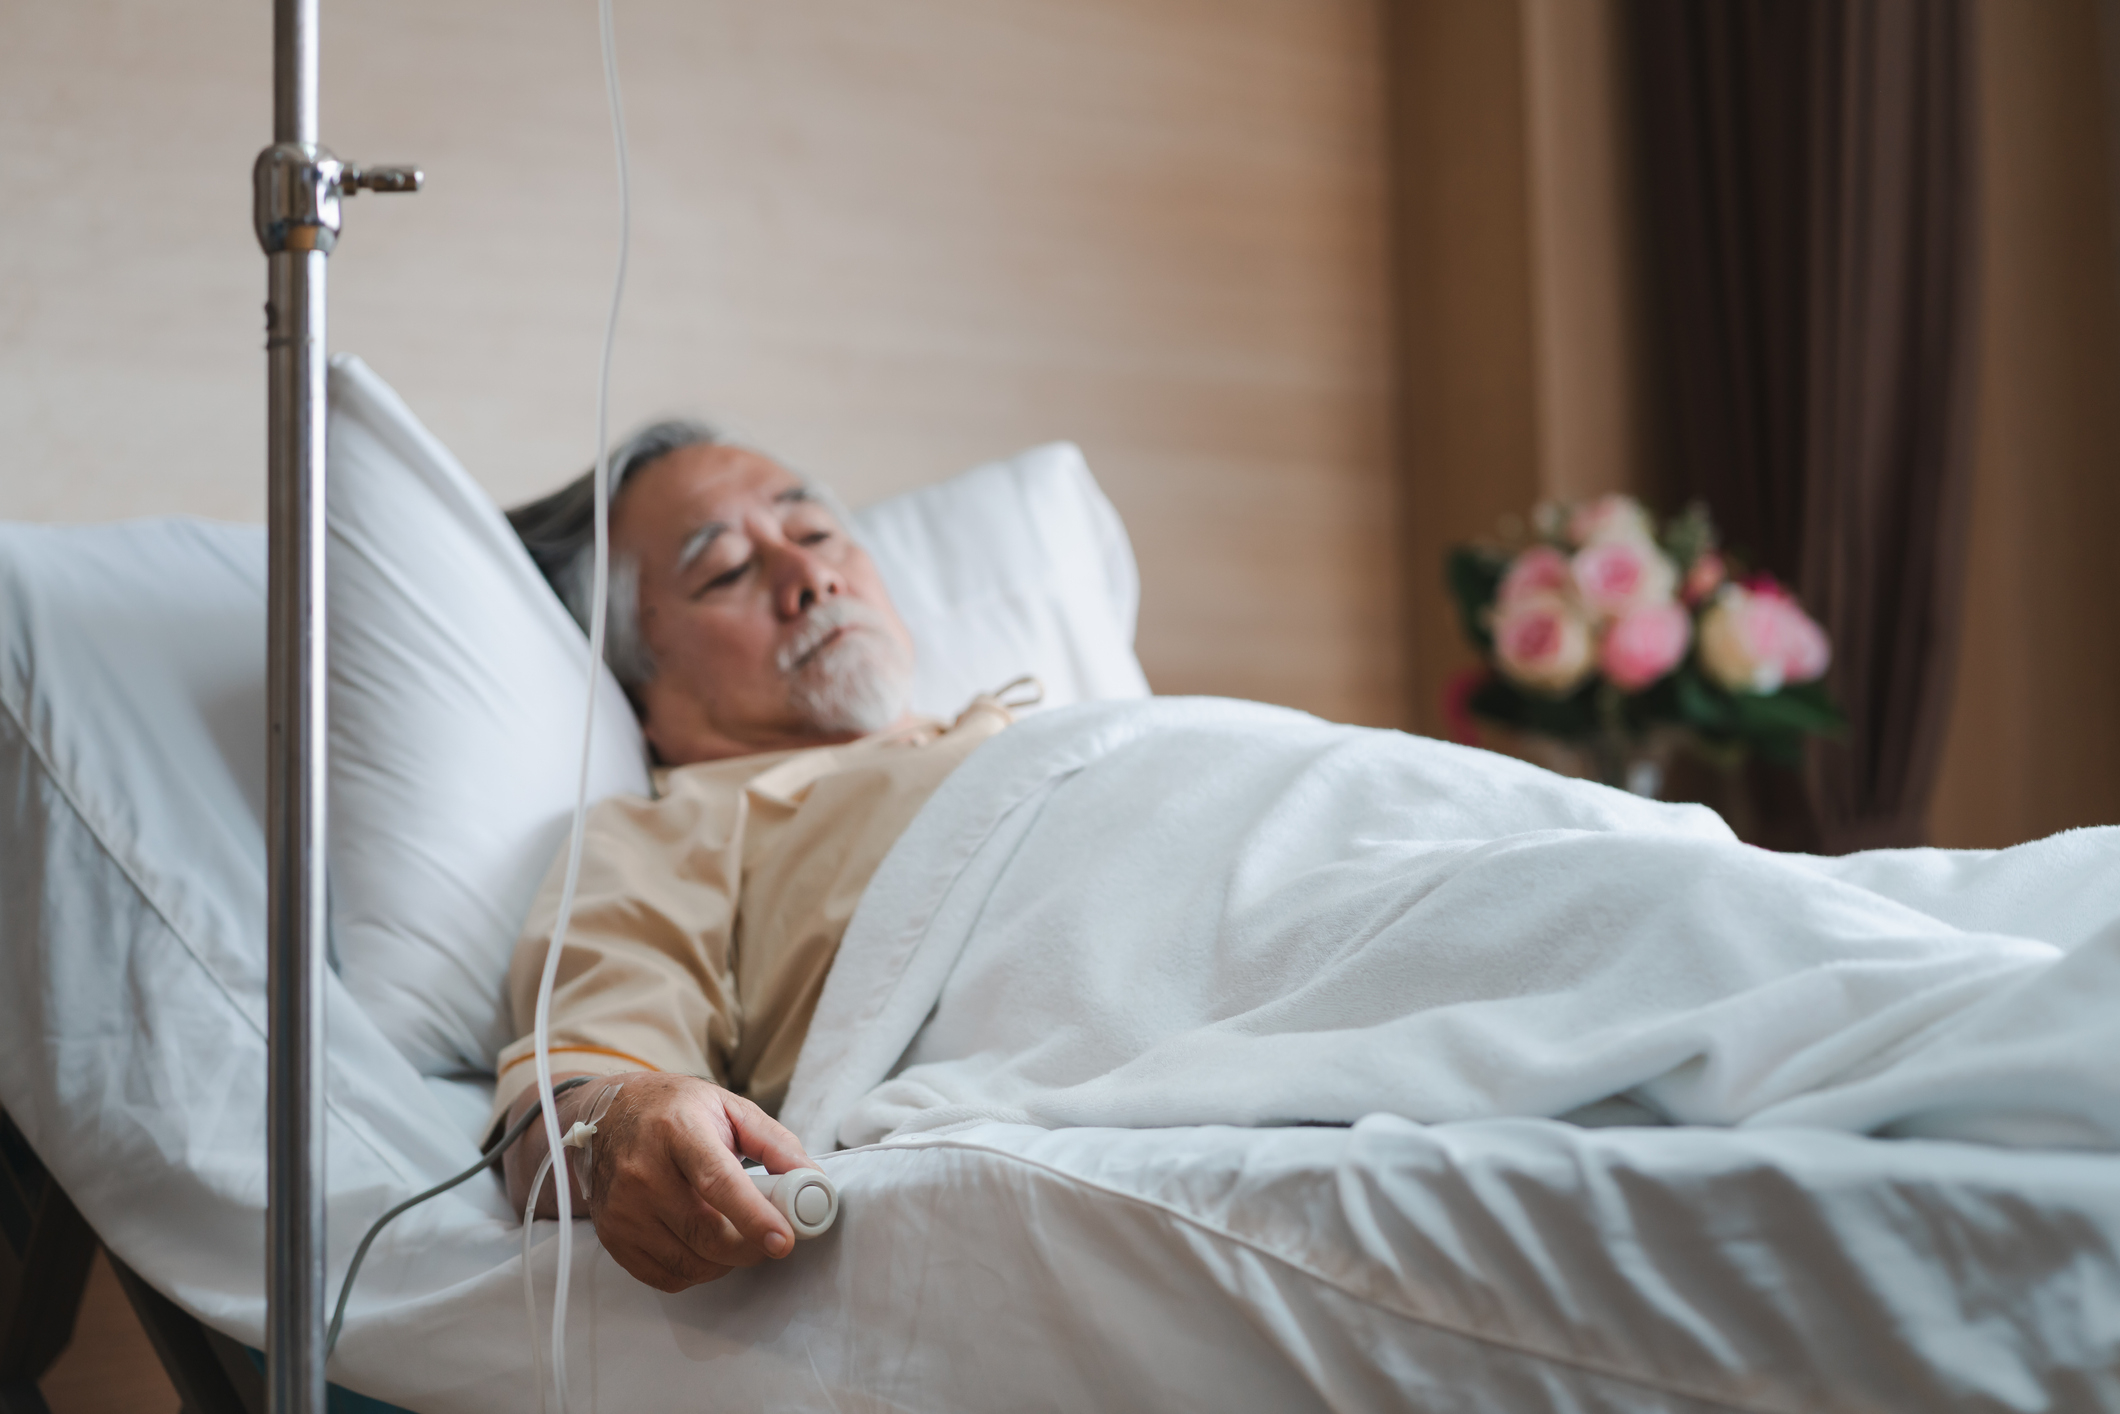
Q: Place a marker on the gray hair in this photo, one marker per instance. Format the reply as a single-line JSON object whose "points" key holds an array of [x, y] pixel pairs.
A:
{"points": [[559, 530]]}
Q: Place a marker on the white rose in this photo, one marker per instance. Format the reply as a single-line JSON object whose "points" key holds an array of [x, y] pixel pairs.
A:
{"points": [[1610, 518]]}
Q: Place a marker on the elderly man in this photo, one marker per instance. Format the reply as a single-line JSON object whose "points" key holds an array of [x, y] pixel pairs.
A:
{"points": [[770, 672], [1186, 911]]}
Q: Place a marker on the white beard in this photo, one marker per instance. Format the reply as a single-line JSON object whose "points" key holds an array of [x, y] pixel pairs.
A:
{"points": [[854, 686]]}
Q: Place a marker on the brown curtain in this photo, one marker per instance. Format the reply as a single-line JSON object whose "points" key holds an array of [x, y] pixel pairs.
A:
{"points": [[1807, 187]]}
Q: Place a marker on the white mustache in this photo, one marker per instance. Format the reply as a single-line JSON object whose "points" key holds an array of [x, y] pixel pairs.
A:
{"points": [[820, 623]]}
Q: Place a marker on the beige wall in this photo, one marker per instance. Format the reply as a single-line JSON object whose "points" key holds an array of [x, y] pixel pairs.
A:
{"points": [[2035, 732], [885, 240], [893, 241]]}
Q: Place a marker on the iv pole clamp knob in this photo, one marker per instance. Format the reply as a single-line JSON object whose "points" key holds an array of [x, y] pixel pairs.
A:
{"points": [[296, 188], [381, 179]]}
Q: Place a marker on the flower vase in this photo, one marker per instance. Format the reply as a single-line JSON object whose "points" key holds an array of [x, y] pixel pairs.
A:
{"points": [[1628, 763]]}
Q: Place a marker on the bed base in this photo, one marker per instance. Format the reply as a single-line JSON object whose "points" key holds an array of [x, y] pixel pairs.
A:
{"points": [[46, 1247]]}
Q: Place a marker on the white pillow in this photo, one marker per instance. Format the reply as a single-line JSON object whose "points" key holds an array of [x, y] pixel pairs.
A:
{"points": [[457, 686], [1017, 566], [457, 681]]}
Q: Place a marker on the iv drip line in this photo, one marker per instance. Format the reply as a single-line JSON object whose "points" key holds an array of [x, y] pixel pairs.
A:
{"points": [[542, 1033]]}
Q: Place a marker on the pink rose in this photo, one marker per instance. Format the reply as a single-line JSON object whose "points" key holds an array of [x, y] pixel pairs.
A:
{"points": [[1616, 577], [1610, 518], [1644, 645], [1806, 653], [1706, 576], [1539, 570], [1541, 642], [1757, 638], [1791, 637]]}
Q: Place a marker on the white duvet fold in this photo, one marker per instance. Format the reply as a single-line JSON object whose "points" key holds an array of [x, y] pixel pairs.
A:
{"points": [[1192, 911]]}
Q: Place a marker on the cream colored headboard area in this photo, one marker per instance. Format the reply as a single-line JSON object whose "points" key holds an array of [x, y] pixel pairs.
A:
{"points": [[884, 241]]}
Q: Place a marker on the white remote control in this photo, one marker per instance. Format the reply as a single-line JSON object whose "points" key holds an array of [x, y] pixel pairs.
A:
{"points": [[805, 1197]]}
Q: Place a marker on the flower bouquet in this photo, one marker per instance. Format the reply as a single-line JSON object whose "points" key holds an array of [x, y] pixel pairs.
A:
{"points": [[1601, 633]]}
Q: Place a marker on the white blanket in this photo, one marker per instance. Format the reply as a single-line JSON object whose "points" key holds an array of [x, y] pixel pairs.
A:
{"points": [[1196, 911]]}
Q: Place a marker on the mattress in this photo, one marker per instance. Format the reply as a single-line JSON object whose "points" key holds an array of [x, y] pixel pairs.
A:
{"points": [[1521, 1265]]}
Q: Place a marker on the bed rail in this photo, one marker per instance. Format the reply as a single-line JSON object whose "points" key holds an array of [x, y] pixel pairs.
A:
{"points": [[45, 1250]]}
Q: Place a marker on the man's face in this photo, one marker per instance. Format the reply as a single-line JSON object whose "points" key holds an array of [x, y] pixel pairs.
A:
{"points": [[768, 627]]}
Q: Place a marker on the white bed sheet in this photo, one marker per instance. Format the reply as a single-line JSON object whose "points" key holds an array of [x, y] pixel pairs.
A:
{"points": [[1519, 1265]]}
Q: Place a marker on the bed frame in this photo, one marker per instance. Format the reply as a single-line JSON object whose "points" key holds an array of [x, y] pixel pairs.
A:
{"points": [[46, 1248]]}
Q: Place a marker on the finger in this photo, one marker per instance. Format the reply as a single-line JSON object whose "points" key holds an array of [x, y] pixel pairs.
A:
{"points": [[716, 1239], [685, 1260], [646, 1245], [760, 1136], [669, 1221], [668, 1265], [718, 1178]]}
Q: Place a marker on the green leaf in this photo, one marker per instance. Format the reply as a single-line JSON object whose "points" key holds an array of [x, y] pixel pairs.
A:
{"points": [[1570, 718], [1812, 697], [1773, 713], [1689, 535], [1654, 705], [1474, 575], [1773, 724], [1702, 705]]}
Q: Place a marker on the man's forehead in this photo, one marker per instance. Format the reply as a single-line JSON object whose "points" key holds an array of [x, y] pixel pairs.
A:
{"points": [[714, 495], [710, 479]]}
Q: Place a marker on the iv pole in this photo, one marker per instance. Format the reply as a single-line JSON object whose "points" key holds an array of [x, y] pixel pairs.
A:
{"points": [[296, 189]]}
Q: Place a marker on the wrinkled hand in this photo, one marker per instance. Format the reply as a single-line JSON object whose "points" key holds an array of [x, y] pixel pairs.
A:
{"points": [[668, 1193]]}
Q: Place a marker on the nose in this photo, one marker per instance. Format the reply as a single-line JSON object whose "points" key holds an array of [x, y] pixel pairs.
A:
{"points": [[801, 580]]}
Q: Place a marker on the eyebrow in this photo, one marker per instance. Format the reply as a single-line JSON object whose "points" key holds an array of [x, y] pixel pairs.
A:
{"points": [[697, 543]]}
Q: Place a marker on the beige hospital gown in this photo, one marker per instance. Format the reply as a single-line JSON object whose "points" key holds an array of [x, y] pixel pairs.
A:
{"points": [[706, 918]]}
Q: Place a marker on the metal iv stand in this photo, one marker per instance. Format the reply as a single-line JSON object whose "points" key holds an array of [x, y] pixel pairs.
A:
{"points": [[297, 186]]}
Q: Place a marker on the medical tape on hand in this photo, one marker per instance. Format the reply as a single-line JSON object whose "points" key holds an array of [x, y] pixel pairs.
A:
{"points": [[580, 1142]]}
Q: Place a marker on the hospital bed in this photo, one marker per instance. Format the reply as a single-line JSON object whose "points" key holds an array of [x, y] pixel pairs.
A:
{"points": [[1508, 1264]]}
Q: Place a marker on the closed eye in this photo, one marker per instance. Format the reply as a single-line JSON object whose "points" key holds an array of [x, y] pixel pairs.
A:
{"points": [[724, 579]]}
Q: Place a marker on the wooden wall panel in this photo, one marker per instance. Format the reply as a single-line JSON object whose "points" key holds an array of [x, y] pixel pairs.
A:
{"points": [[884, 241], [1471, 413], [1522, 302], [1586, 245]]}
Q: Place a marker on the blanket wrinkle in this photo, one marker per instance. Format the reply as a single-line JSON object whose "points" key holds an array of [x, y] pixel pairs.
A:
{"points": [[1191, 911]]}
